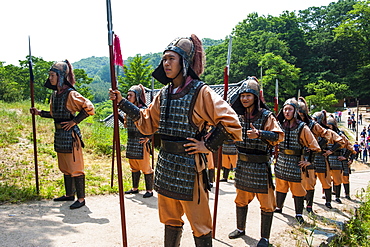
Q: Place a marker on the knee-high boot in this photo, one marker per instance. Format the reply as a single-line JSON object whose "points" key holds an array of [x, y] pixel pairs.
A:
{"points": [[69, 188], [203, 241], [211, 175], [309, 198], [337, 189], [327, 193], [299, 204], [280, 199], [148, 184], [225, 175], [347, 191], [241, 219], [266, 222], [135, 182], [172, 236], [80, 190]]}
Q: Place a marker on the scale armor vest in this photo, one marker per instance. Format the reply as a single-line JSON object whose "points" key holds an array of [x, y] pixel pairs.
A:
{"points": [[229, 148], [175, 173], [250, 176], [346, 168], [135, 150], [333, 161], [63, 140], [310, 125], [287, 165]]}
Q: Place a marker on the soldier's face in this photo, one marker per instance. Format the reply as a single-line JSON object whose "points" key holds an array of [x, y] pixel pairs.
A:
{"points": [[247, 99], [131, 97], [288, 112], [53, 77], [171, 63]]}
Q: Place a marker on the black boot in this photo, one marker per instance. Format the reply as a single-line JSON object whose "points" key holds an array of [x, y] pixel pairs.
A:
{"points": [[148, 184], [135, 182], [241, 218], [327, 193], [266, 222], [172, 236], [70, 190], [347, 191], [309, 199], [204, 241], [80, 189], [225, 174], [299, 205], [211, 175], [280, 199], [337, 189]]}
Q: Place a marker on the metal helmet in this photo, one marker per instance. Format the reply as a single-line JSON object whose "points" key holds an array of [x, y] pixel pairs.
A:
{"points": [[191, 51], [320, 117], [64, 71], [332, 121], [293, 102], [302, 105], [139, 91]]}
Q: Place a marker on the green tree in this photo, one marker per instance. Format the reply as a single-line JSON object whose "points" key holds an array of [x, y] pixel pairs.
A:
{"points": [[137, 72], [275, 67], [325, 94]]}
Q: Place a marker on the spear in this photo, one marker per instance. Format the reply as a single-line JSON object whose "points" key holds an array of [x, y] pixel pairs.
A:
{"points": [[276, 99], [33, 116], [116, 124], [219, 163]]}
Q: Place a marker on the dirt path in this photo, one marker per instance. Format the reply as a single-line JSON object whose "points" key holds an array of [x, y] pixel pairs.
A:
{"points": [[48, 223]]}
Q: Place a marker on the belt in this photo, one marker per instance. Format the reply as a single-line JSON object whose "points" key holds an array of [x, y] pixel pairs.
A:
{"points": [[294, 152], [175, 147], [252, 158]]}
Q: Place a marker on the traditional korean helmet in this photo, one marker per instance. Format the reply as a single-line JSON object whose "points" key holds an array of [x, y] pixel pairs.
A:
{"points": [[191, 51], [65, 75], [333, 122], [251, 85], [293, 102], [320, 118], [139, 91], [303, 108]]}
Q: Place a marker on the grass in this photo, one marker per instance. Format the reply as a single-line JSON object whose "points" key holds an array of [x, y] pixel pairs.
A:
{"points": [[17, 166]]}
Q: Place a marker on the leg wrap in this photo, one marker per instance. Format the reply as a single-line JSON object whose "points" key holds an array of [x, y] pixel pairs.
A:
{"points": [[135, 179], [280, 199], [211, 175], [298, 204], [203, 241], [149, 181], [346, 189], [241, 217], [80, 186], [226, 173], [266, 221], [172, 236], [327, 193], [309, 197], [337, 189], [69, 185]]}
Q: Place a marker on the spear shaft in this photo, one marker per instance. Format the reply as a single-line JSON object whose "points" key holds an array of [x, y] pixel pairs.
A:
{"points": [[33, 116], [116, 124], [219, 163]]}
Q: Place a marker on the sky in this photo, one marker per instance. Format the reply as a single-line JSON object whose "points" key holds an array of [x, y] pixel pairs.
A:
{"points": [[77, 29]]}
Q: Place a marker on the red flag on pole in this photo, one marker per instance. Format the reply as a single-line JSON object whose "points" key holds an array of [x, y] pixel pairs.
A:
{"points": [[117, 51]]}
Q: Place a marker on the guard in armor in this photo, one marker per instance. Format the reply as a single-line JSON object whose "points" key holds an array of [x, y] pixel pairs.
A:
{"points": [[229, 158], [291, 165], [64, 103], [180, 113], [138, 146], [340, 174], [323, 137], [253, 178]]}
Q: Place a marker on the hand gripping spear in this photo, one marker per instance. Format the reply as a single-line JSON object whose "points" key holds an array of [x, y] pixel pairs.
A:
{"points": [[116, 124], [219, 163], [33, 116]]}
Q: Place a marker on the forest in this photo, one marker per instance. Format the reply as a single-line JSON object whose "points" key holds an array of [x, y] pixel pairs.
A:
{"points": [[322, 52]]}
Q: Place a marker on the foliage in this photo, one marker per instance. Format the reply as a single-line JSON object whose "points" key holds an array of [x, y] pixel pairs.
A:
{"points": [[325, 94], [357, 230]]}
